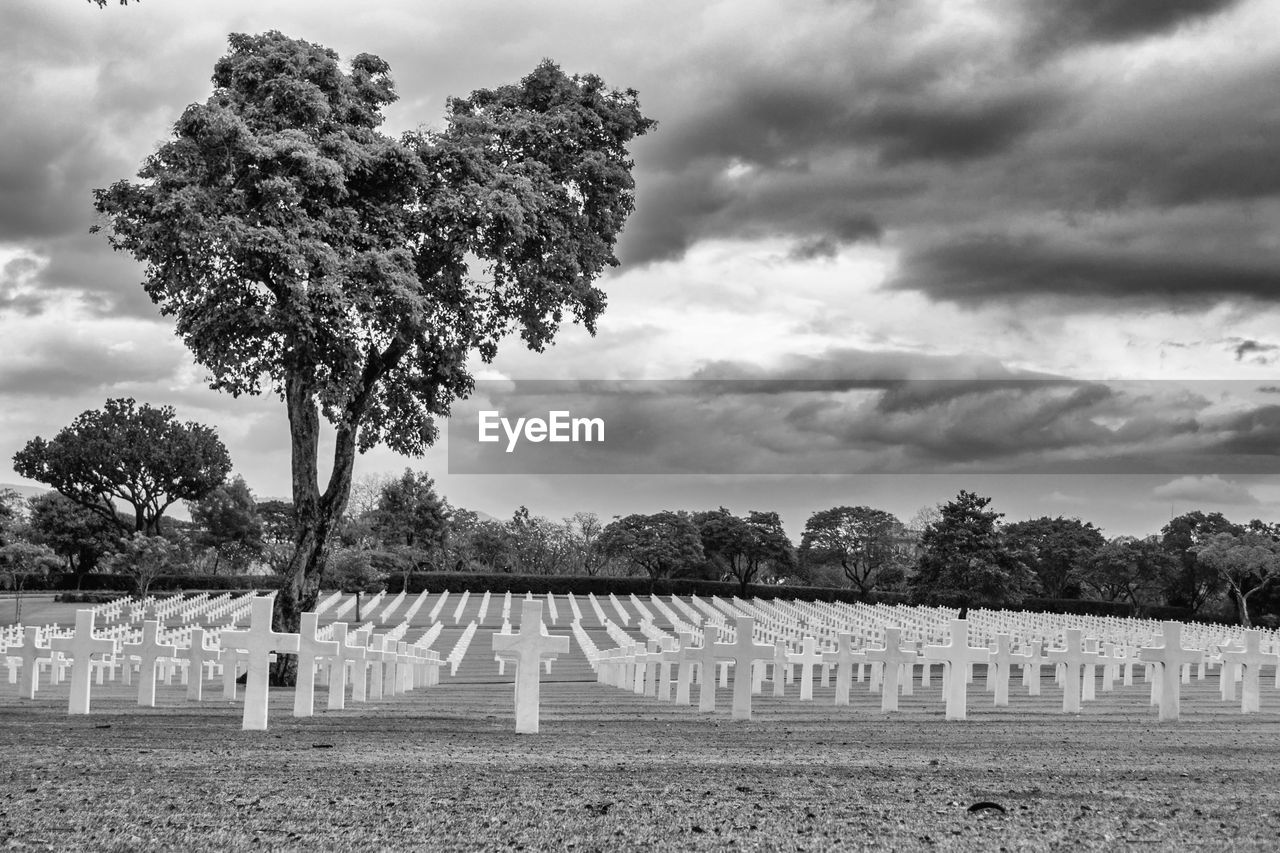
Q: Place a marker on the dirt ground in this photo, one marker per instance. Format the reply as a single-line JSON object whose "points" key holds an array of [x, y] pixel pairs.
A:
{"points": [[442, 769]]}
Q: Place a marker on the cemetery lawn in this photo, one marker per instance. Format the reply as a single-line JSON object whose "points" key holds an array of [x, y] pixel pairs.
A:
{"points": [[442, 769]]}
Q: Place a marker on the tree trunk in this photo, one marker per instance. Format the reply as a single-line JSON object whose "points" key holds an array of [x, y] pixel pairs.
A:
{"points": [[316, 515]]}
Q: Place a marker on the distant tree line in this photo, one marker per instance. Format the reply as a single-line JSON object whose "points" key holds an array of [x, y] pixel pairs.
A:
{"points": [[960, 552]]}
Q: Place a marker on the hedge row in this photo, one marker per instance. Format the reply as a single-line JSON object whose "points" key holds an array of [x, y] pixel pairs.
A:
{"points": [[163, 583], [456, 582]]}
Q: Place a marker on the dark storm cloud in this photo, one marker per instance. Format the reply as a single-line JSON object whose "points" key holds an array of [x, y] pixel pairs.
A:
{"points": [[1256, 350], [1077, 21], [993, 266], [852, 411]]}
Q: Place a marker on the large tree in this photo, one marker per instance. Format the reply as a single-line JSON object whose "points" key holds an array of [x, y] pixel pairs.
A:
{"points": [[1058, 550], [302, 251], [869, 545], [1248, 562], [1129, 569], [1193, 582], [965, 559], [746, 549], [78, 535], [140, 455], [664, 544]]}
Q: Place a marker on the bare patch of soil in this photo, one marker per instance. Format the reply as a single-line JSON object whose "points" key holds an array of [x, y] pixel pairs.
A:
{"points": [[442, 769]]}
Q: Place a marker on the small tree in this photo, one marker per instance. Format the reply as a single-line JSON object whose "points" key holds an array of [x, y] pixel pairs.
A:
{"points": [[18, 562], [143, 558], [227, 522], [1247, 562], [136, 454], [409, 513]]}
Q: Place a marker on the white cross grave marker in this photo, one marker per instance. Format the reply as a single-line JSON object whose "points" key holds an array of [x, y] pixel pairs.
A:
{"points": [[844, 657], [894, 658], [957, 655], [338, 666], [1252, 658], [808, 658], [82, 646], [310, 648], [258, 641], [197, 653], [705, 657], [1171, 657], [1072, 658], [529, 646], [743, 652], [148, 652], [31, 653]]}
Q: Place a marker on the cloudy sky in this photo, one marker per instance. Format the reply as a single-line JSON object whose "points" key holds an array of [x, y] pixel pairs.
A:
{"points": [[1031, 248]]}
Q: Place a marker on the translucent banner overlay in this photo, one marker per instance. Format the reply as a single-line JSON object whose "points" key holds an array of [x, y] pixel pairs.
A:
{"points": [[866, 426]]}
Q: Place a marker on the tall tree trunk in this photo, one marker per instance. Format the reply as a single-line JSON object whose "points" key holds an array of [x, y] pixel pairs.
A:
{"points": [[316, 515]]}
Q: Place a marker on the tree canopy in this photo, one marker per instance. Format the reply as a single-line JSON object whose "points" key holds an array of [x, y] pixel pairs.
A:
{"points": [[1058, 550], [865, 543], [964, 557], [140, 455], [665, 544], [746, 548]]}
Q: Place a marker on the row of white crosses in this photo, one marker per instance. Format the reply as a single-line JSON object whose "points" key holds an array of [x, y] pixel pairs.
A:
{"points": [[629, 666], [394, 664]]}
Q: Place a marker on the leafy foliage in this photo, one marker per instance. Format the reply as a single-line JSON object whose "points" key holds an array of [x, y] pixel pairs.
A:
{"points": [[143, 558], [1247, 562], [137, 454], [665, 544], [78, 535], [1057, 550], [746, 549], [964, 557], [228, 523], [1129, 569], [1193, 582], [869, 545]]}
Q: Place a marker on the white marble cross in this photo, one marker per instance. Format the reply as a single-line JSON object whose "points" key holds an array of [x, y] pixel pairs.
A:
{"points": [[529, 647], [1072, 659], [309, 649], [844, 657], [197, 653], [808, 657], [705, 656], [31, 653], [82, 646], [338, 666], [1171, 657], [258, 641], [1252, 658], [998, 669], [743, 652], [894, 659], [684, 667], [957, 655], [148, 652], [781, 667]]}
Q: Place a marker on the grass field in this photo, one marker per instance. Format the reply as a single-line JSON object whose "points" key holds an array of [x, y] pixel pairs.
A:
{"points": [[442, 769]]}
